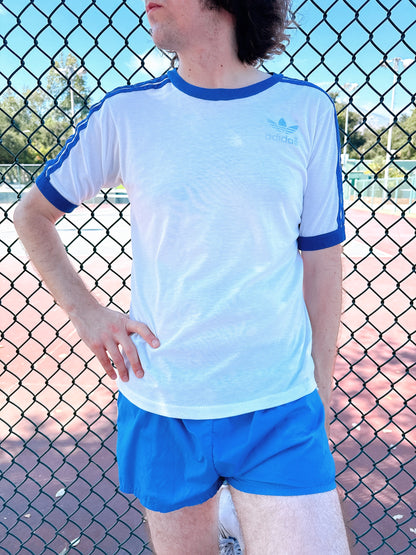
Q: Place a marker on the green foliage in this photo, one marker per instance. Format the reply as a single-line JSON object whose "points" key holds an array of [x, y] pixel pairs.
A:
{"points": [[366, 142], [13, 139], [404, 137], [35, 124], [403, 145]]}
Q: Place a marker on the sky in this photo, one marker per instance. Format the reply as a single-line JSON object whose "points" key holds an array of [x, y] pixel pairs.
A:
{"points": [[340, 41]]}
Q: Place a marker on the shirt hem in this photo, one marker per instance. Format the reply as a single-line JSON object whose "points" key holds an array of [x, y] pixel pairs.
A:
{"points": [[217, 411], [323, 241], [53, 196]]}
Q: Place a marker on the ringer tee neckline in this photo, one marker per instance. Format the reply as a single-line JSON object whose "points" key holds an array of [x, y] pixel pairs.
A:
{"points": [[221, 94]]}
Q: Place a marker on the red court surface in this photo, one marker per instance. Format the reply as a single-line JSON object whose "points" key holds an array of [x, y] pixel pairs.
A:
{"points": [[57, 412], [375, 404]]}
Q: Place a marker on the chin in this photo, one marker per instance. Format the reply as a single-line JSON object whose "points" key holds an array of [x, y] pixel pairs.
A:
{"points": [[163, 40]]}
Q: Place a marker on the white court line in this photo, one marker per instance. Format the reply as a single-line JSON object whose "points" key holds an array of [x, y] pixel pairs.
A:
{"points": [[358, 249]]}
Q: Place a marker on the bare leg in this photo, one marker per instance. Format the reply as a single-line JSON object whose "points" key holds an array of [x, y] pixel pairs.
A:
{"points": [[306, 524], [187, 531]]}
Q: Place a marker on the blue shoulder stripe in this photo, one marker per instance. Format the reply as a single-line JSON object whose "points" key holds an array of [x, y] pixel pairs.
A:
{"points": [[72, 141], [294, 81]]}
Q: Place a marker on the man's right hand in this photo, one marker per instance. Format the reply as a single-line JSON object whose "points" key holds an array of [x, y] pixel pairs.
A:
{"points": [[104, 331]]}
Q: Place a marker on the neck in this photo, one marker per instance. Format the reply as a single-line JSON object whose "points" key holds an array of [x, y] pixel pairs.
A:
{"points": [[214, 63], [203, 69]]}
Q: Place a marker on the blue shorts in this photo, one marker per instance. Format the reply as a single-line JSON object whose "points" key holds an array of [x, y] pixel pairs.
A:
{"points": [[170, 463]]}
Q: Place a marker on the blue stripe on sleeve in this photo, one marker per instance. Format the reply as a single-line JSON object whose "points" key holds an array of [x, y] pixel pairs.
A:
{"points": [[52, 195], [73, 140], [338, 236], [341, 214]]}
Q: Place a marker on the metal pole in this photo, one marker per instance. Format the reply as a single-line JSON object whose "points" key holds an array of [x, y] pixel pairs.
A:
{"points": [[349, 87], [70, 75], [396, 62], [72, 101]]}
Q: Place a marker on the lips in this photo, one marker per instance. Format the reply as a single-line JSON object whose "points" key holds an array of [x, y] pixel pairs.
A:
{"points": [[151, 6]]}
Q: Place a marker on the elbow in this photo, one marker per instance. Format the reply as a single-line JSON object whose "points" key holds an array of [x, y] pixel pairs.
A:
{"points": [[33, 211], [23, 217], [19, 217]]}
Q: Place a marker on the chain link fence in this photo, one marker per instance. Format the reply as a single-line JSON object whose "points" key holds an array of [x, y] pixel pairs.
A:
{"points": [[58, 483]]}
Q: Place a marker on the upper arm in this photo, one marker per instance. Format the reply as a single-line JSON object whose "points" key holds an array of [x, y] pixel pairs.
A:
{"points": [[322, 220], [323, 263], [35, 204]]}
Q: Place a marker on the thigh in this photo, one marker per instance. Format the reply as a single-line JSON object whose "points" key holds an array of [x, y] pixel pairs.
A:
{"points": [[191, 530], [289, 525]]}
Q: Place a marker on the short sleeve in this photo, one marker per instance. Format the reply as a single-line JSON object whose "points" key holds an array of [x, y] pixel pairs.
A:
{"points": [[88, 162], [322, 221]]}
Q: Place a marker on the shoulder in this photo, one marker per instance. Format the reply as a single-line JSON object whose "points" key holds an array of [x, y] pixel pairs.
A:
{"points": [[308, 92], [151, 84], [128, 93]]}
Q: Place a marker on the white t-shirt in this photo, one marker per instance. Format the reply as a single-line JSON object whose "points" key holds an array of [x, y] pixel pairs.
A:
{"points": [[225, 186]]}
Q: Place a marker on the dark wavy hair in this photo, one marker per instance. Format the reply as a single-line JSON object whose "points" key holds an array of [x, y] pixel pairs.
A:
{"points": [[260, 26]]}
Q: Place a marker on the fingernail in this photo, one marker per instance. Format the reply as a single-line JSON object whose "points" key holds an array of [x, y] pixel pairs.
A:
{"points": [[155, 343], [139, 374]]}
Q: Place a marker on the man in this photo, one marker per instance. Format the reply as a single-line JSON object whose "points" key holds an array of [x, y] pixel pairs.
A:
{"points": [[230, 174]]}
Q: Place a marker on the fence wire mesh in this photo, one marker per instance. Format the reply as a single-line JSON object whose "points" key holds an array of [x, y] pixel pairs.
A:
{"points": [[57, 413]]}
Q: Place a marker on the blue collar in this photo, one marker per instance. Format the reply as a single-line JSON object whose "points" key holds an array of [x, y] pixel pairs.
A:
{"points": [[222, 94]]}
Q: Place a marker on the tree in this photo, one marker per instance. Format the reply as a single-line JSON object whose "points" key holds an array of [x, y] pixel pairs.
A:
{"points": [[371, 143], [404, 137], [36, 123], [14, 128], [403, 145], [373, 140]]}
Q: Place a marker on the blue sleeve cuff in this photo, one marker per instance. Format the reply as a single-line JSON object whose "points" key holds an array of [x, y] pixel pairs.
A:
{"points": [[322, 241], [52, 195]]}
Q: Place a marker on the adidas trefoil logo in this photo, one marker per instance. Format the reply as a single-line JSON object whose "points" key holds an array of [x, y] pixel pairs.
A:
{"points": [[284, 133], [282, 126]]}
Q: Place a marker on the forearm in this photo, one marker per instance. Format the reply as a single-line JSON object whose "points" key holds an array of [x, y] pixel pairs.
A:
{"points": [[47, 253], [323, 295]]}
